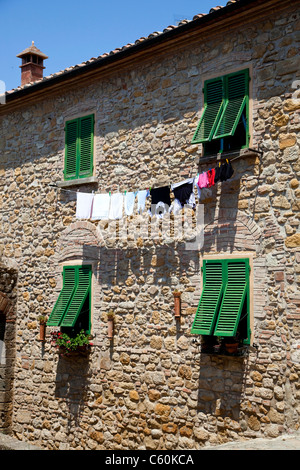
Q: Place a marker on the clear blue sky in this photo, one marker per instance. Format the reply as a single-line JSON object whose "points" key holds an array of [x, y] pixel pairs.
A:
{"points": [[72, 31]]}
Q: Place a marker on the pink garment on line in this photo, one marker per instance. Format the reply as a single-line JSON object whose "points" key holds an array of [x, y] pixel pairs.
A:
{"points": [[203, 180]]}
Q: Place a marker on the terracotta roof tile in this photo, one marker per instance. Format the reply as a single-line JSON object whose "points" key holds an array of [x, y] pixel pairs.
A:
{"points": [[119, 49]]}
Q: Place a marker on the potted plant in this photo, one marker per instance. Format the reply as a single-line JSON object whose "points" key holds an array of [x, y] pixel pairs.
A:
{"points": [[42, 321], [217, 347], [231, 344], [177, 303], [207, 343], [110, 319], [67, 345]]}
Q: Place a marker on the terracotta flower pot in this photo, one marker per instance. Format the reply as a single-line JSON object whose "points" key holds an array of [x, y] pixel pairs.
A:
{"points": [[231, 347], [177, 304], [42, 331], [110, 332]]}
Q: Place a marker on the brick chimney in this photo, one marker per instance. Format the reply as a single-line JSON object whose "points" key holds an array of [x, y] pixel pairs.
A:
{"points": [[32, 64]]}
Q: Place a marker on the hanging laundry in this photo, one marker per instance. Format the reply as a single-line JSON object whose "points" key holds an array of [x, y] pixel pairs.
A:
{"points": [[211, 177], [160, 201], [217, 173], [229, 170], [203, 180], [184, 194], [129, 202], [116, 206], [101, 207], [196, 186], [141, 199], [84, 205], [226, 171]]}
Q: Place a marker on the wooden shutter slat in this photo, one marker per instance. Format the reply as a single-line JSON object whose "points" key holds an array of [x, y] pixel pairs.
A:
{"points": [[80, 294], [233, 299], [214, 103], [86, 137], [210, 299], [64, 297], [236, 99]]}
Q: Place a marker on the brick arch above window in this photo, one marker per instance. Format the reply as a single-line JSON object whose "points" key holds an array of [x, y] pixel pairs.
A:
{"points": [[80, 240], [229, 232]]}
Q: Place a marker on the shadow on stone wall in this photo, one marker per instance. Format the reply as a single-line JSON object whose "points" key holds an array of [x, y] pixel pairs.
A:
{"points": [[221, 386], [8, 283], [71, 386]]}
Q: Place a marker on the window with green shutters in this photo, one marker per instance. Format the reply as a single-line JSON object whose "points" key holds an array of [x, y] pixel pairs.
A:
{"points": [[73, 306], [224, 124], [79, 148], [224, 306]]}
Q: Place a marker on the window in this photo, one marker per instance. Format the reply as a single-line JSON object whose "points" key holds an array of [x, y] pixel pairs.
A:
{"points": [[79, 143], [224, 124], [73, 306], [224, 307]]}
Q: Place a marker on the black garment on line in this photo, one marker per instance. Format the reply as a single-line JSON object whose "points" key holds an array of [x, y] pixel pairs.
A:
{"points": [[183, 192], [223, 172], [217, 173], [160, 195]]}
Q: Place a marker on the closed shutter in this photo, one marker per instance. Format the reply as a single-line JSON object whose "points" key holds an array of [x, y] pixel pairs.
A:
{"points": [[83, 285], [214, 103], [64, 297], [236, 91], [210, 299], [235, 292], [86, 141], [71, 145]]}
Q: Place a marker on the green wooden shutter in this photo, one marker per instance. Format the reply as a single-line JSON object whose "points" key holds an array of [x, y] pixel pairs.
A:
{"points": [[213, 106], [236, 290], [210, 299], [86, 143], [236, 91], [83, 288], [64, 297], [71, 149]]}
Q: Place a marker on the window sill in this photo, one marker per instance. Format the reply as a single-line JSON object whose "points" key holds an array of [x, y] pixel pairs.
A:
{"points": [[76, 182], [242, 352], [243, 153]]}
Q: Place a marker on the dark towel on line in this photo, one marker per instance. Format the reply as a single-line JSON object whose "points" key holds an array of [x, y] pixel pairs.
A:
{"points": [[183, 192], [160, 197]]}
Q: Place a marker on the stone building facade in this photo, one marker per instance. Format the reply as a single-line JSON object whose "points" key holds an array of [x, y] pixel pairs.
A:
{"points": [[152, 386]]}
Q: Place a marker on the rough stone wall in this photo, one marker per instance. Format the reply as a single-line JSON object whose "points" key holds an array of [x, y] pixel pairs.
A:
{"points": [[151, 387]]}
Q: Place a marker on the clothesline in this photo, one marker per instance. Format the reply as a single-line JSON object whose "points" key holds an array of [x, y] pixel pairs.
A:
{"points": [[53, 185], [110, 206]]}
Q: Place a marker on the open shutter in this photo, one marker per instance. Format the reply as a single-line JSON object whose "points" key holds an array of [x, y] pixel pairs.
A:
{"points": [[71, 143], [234, 297], [83, 285], [214, 103], [236, 90], [208, 307], [86, 141], [63, 298]]}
